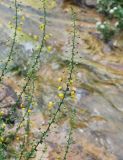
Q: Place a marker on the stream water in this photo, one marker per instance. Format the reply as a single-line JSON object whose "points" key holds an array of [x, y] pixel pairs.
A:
{"points": [[98, 77]]}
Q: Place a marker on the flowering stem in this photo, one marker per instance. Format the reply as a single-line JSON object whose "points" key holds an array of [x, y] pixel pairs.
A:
{"points": [[33, 68], [13, 43], [44, 134]]}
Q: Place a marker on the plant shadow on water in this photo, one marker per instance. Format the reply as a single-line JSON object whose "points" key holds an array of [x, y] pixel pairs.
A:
{"points": [[93, 104]]}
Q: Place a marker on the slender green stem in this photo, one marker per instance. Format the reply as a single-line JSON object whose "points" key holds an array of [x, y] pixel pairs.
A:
{"points": [[44, 134], [69, 141], [26, 112], [13, 43], [68, 144], [33, 68]]}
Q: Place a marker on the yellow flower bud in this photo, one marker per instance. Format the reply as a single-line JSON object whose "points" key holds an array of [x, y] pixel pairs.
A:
{"points": [[1, 139], [50, 105], [41, 27], [17, 138], [19, 29], [46, 37], [59, 79], [71, 81], [31, 122], [22, 106], [1, 113], [50, 35], [49, 48], [61, 95], [29, 110], [73, 94], [60, 88], [14, 17], [22, 18], [3, 125], [21, 125], [36, 38], [10, 23]]}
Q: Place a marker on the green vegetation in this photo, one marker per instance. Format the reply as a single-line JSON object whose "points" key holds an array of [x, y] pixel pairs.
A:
{"points": [[112, 9], [26, 146], [20, 143]]}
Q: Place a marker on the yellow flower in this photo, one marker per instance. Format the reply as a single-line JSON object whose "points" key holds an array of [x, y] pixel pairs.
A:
{"points": [[58, 158], [17, 138], [38, 47], [29, 110], [23, 108], [19, 29], [50, 35], [14, 17], [31, 122], [50, 105], [1, 139], [49, 48], [21, 23], [3, 125], [36, 38], [41, 27], [73, 94], [60, 79], [60, 88], [47, 37], [22, 18], [21, 125], [34, 103], [1, 113], [61, 95], [71, 81], [10, 24]]}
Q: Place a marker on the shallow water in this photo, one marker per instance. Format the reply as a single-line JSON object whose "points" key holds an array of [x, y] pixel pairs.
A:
{"points": [[98, 77]]}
